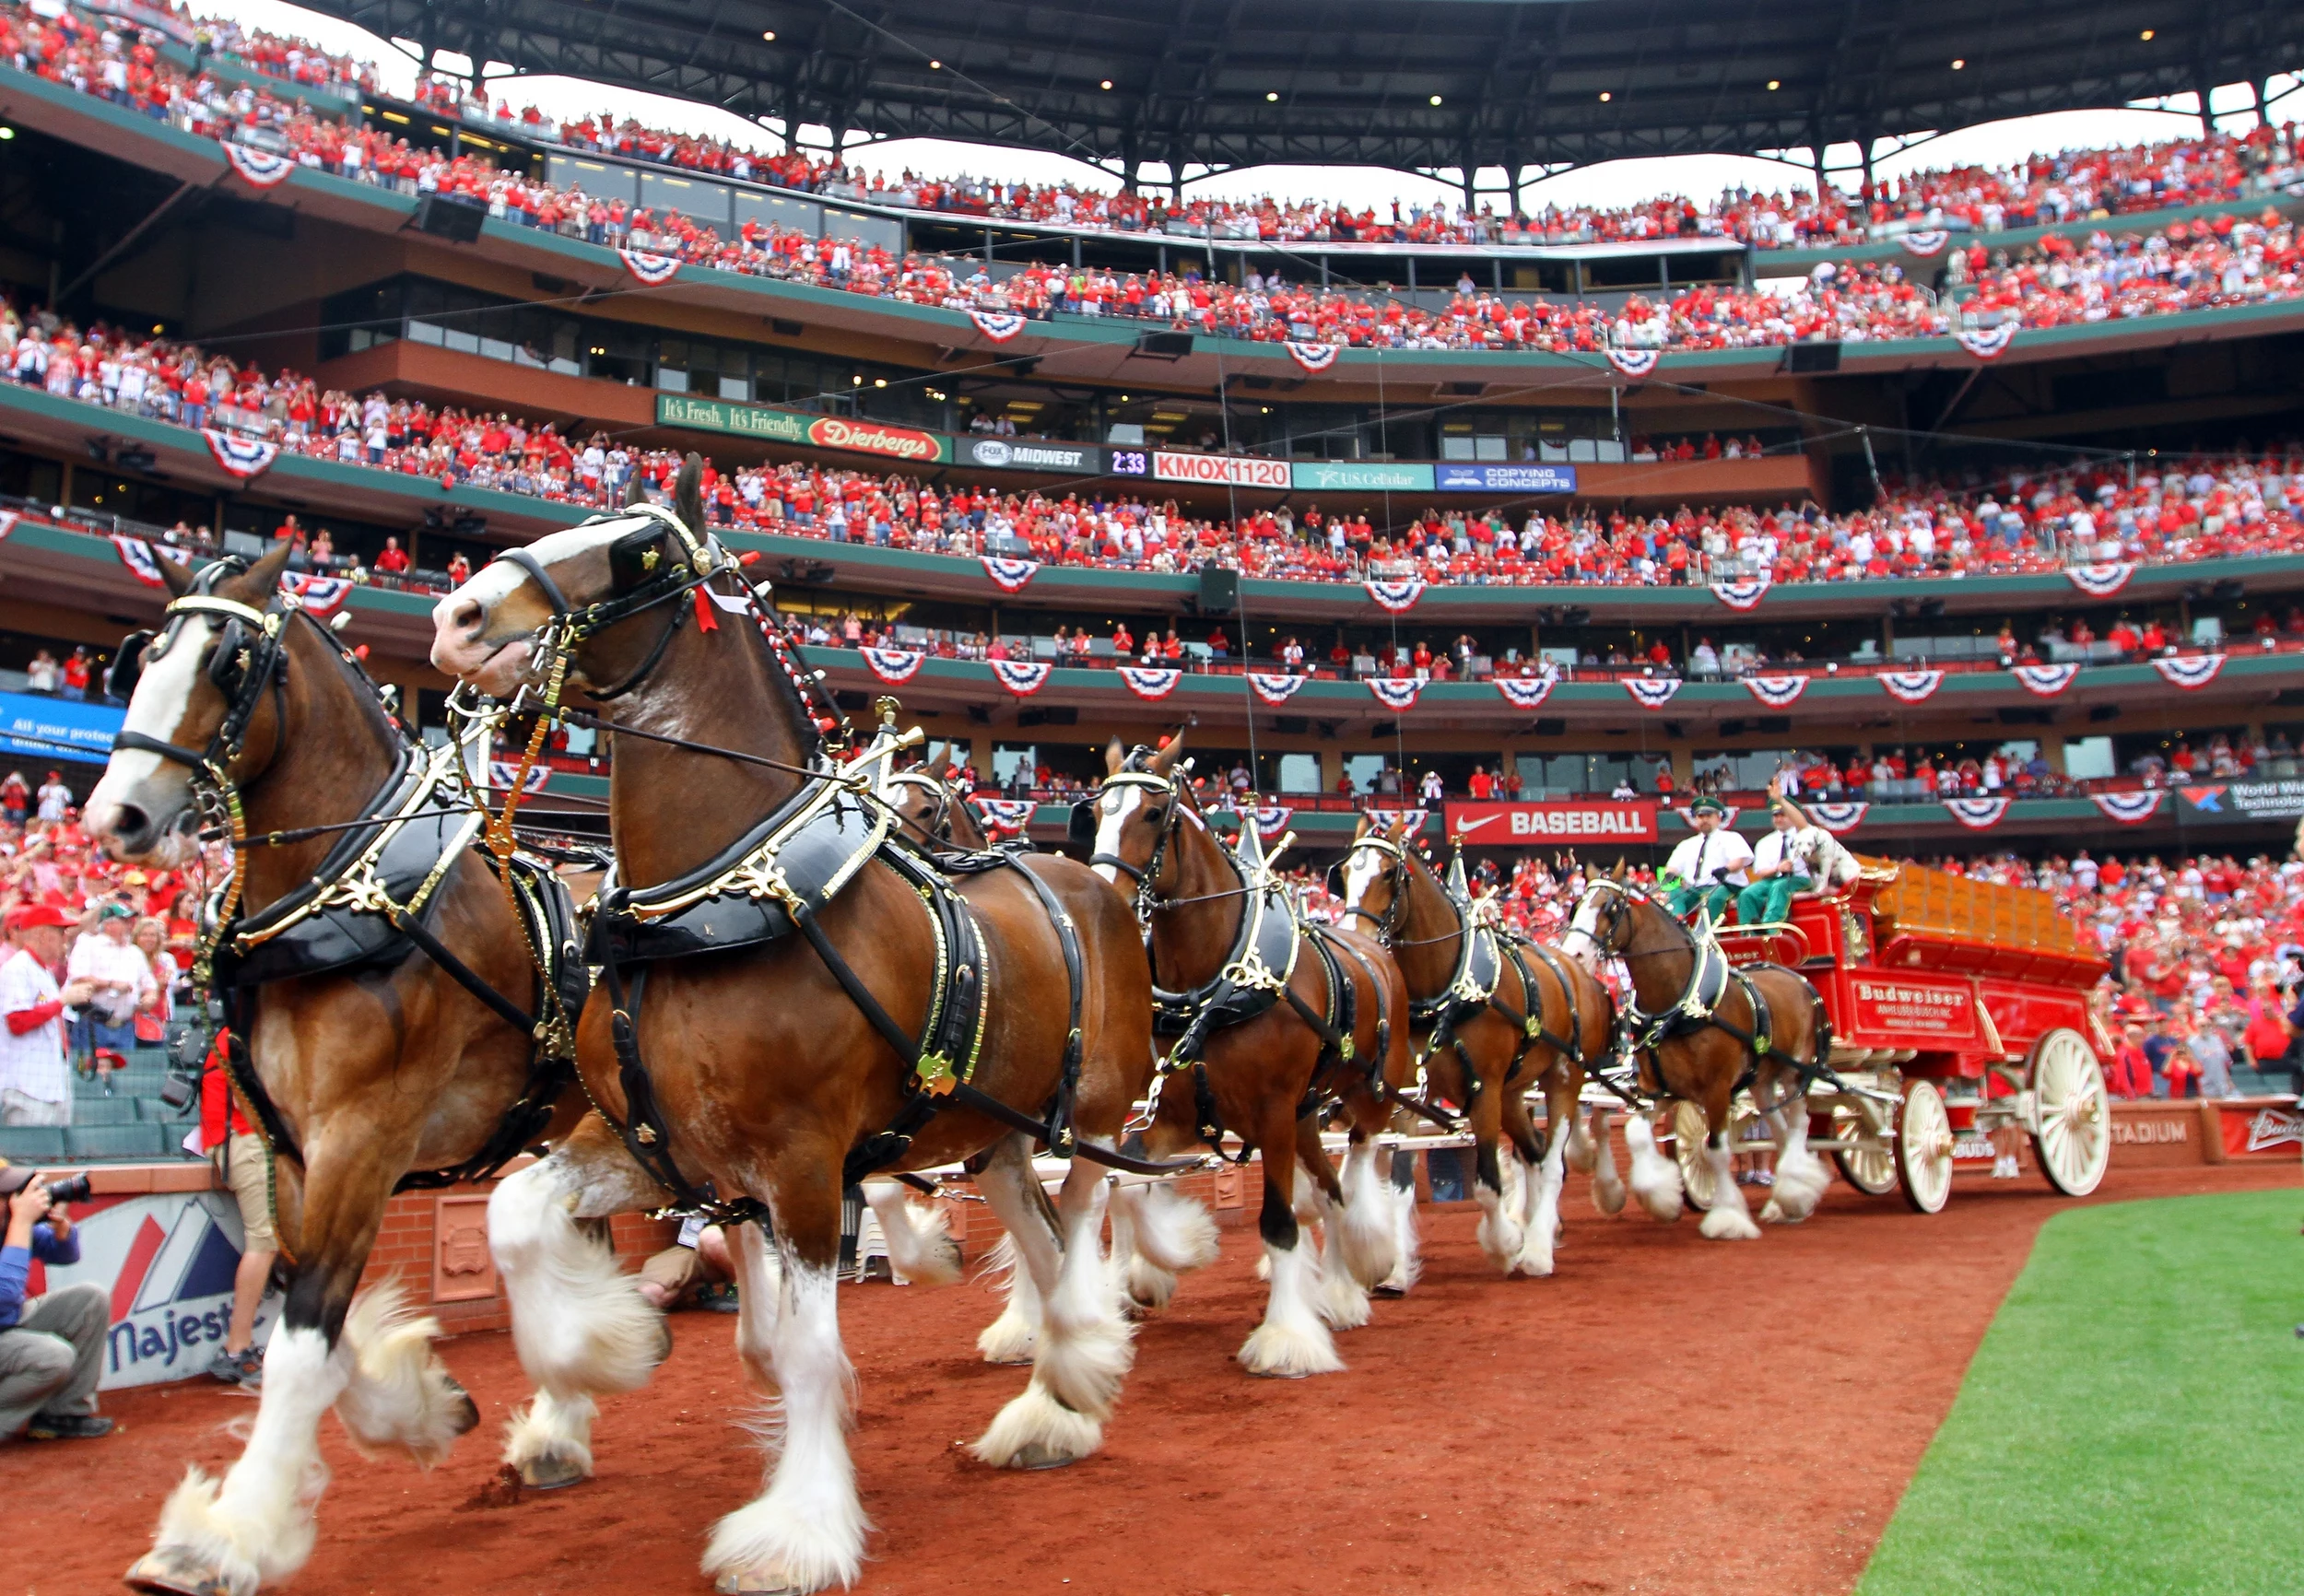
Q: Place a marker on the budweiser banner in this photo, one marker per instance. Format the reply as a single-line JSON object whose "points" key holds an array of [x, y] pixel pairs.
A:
{"points": [[1503, 824]]}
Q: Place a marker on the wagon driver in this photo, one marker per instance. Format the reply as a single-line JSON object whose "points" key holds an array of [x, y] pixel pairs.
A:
{"points": [[1707, 868], [1788, 860]]}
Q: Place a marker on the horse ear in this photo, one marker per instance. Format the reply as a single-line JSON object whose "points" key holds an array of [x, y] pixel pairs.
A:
{"points": [[1398, 831], [636, 490], [265, 575], [688, 492], [1114, 755], [175, 575], [1360, 829], [1165, 760], [1618, 873]]}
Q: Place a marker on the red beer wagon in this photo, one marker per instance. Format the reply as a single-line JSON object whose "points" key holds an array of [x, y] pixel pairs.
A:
{"points": [[1958, 1007]]}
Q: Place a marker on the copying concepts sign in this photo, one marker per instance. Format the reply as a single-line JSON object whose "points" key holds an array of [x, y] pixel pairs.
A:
{"points": [[1507, 479], [167, 1264], [1222, 470], [1008, 454], [908, 443], [1498, 824]]}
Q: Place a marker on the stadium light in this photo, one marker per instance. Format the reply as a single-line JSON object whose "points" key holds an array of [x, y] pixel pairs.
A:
{"points": [[770, 36], [1436, 99], [2146, 36], [1957, 64], [6, 133], [1773, 85], [1106, 84], [1606, 97], [1270, 96], [935, 66]]}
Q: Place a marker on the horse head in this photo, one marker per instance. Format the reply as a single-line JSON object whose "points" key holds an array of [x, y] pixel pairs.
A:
{"points": [[197, 706], [1374, 885], [1136, 812]]}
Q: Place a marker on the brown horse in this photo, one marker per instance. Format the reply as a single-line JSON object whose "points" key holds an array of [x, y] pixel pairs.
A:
{"points": [[1494, 1014], [1701, 1031], [368, 1058], [793, 1001], [1270, 1015]]}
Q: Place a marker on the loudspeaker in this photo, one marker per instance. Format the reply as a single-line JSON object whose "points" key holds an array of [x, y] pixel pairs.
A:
{"points": [[447, 218], [1219, 590], [1811, 359], [1164, 346]]}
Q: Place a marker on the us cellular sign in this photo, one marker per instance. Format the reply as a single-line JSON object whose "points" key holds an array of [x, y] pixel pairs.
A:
{"points": [[1503, 823]]}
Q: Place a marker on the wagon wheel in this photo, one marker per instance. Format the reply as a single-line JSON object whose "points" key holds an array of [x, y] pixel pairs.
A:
{"points": [[1870, 1169], [1690, 1129], [1924, 1147], [2071, 1122]]}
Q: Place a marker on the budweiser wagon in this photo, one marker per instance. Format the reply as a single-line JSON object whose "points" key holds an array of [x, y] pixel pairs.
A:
{"points": [[1958, 1007]]}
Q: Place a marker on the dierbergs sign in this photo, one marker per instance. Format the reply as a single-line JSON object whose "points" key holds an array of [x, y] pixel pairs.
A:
{"points": [[1495, 824]]}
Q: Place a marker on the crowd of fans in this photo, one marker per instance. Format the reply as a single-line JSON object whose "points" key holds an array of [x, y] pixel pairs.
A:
{"points": [[2064, 279]]}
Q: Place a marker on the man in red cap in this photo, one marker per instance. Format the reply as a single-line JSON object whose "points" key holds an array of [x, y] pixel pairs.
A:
{"points": [[35, 1087]]}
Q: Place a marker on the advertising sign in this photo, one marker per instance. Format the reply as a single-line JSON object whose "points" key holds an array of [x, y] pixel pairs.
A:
{"points": [[89, 726], [1360, 477], [1453, 478], [1913, 1006], [908, 444], [2248, 800], [167, 1264], [1599, 821], [1010, 455], [1220, 470]]}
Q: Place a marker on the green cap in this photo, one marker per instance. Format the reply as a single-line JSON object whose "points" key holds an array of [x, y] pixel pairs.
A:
{"points": [[1708, 805]]}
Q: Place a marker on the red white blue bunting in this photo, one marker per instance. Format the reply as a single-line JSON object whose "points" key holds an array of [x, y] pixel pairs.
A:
{"points": [[1397, 594], [1271, 818], [502, 773], [260, 167], [1776, 691], [1928, 243], [1977, 814], [998, 325], [240, 457], [1313, 358], [1745, 593], [894, 665], [1022, 677], [2129, 808], [323, 596], [652, 269], [136, 555], [1728, 813], [1634, 362], [1651, 692], [8, 518], [1838, 817], [2046, 681], [1395, 693], [1911, 686], [1273, 688], [1526, 692], [2101, 580], [1006, 814], [1150, 682], [2190, 672], [1989, 343], [1009, 575], [1411, 820]]}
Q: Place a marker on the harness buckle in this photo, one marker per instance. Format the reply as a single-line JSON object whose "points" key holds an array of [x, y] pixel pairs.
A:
{"points": [[936, 1074]]}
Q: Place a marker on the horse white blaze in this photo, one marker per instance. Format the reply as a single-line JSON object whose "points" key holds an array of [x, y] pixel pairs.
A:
{"points": [[1361, 867], [1112, 817], [806, 1530], [156, 709], [498, 580], [1585, 928]]}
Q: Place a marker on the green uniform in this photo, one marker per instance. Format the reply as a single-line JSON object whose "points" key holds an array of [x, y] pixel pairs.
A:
{"points": [[1683, 900]]}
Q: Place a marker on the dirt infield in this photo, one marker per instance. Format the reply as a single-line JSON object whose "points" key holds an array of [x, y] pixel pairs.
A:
{"points": [[1664, 1415]]}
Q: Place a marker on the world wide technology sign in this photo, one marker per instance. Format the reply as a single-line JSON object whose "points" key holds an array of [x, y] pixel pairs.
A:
{"points": [[1501, 825]]}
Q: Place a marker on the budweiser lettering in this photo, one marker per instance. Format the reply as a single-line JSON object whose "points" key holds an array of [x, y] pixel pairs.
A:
{"points": [[867, 438], [1908, 1005], [1229, 470]]}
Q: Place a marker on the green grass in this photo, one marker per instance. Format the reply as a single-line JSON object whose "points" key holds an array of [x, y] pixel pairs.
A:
{"points": [[2135, 1419]]}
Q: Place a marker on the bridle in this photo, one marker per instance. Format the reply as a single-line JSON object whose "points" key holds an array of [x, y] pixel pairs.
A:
{"points": [[1083, 828], [938, 824], [1388, 923]]}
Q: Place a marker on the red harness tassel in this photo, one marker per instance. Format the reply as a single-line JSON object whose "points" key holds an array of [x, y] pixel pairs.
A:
{"points": [[705, 620]]}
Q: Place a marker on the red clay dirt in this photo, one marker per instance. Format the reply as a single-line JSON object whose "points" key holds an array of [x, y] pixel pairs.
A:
{"points": [[1664, 1414]]}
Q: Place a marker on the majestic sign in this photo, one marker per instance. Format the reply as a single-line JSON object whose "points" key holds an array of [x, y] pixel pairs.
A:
{"points": [[1221, 470], [1505, 479], [1501, 824], [167, 1264]]}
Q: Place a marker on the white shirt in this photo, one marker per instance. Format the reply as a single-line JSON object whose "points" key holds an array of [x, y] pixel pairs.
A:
{"points": [[1723, 852], [33, 1062], [1772, 855], [97, 958]]}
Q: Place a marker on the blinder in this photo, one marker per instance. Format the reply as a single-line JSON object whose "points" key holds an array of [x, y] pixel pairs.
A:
{"points": [[637, 556], [1081, 828], [128, 665], [228, 663]]}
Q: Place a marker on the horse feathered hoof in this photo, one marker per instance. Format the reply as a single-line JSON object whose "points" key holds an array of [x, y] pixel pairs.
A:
{"points": [[1034, 1457], [734, 1584], [170, 1571], [549, 1472], [468, 1419]]}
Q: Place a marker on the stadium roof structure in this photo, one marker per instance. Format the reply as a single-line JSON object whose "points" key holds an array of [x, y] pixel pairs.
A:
{"points": [[1416, 84]]}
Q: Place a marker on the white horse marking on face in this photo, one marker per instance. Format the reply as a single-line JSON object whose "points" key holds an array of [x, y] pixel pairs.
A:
{"points": [[1112, 817], [157, 707], [1586, 924], [499, 580], [1361, 867]]}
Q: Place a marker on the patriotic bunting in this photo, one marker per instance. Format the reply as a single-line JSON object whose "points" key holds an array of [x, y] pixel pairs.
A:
{"points": [[1838, 819], [502, 772], [654, 270], [323, 596], [1651, 692], [1743, 593], [240, 457], [1009, 575], [1395, 693], [260, 167], [1395, 593], [1634, 362], [998, 325], [1022, 677], [8, 518], [1411, 820], [1274, 689], [1006, 814], [1990, 342], [1147, 681], [2046, 681], [894, 666], [1270, 819], [136, 555], [2101, 580], [1313, 358], [1977, 814], [1526, 692], [2128, 808], [1776, 691], [1911, 686], [2190, 672], [1928, 243], [1728, 813]]}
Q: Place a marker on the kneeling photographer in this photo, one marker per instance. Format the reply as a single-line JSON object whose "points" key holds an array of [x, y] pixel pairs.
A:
{"points": [[52, 1347]]}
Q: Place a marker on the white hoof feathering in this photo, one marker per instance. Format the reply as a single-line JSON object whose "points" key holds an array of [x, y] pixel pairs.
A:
{"points": [[579, 1320], [1366, 1234], [1036, 1431], [1655, 1179], [1084, 1366], [1727, 1222], [1342, 1297], [1173, 1232], [397, 1394], [919, 1236], [1607, 1187], [772, 1544], [1407, 1246], [1801, 1182], [1500, 1235], [1011, 1337], [548, 1439], [1580, 1152], [1148, 1284], [1291, 1342]]}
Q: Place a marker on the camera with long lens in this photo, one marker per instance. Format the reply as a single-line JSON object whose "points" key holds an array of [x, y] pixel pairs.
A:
{"points": [[187, 1057], [70, 1188]]}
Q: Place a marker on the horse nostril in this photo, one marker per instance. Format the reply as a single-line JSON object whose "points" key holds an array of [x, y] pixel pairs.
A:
{"points": [[131, 823], [467, 616]]}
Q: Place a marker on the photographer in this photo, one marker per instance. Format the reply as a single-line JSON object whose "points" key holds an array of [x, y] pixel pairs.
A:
{"points": [[51, 1348]]}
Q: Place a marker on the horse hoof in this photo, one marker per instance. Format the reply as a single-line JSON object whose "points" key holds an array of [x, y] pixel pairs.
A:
{"points": [[549, 1472], [756, 1585], [1388, 1291], [663, 1348], [1032, 1456], [468, 1419], [170, 1571]]}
